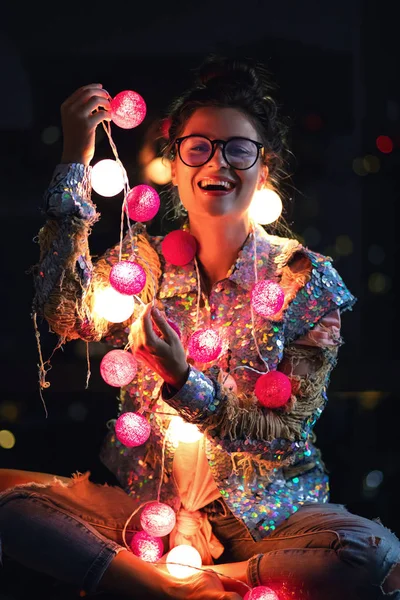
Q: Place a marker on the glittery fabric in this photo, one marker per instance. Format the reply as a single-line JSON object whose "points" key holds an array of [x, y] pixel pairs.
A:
{"points": [[266, 499]]}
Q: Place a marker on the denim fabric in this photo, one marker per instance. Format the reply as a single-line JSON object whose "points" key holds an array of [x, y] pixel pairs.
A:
{"points": [[322, 552], [42, 536]]}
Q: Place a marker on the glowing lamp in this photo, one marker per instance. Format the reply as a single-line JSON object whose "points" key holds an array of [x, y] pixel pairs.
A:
{"points": [[132, 429], [267, 298], [127, 277], [261, 593], [147, 547], [142, 203], [179, 247], [265, 207], [159, 170], [107, 178], [181, 431], [157, 519], [273, 389], [118, 367], [113, 306], [204, 345], [181, 560], [128, 109]]}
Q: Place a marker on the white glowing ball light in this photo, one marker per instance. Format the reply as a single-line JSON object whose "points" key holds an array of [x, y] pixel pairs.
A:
{"points": [[261, 592], [267, 298], [107, 178], [186, 558], [157, 519], [147, 547], [181, 431], [205, 345], [265, 207], [132, 429], [127, 277], [118, 368], [113, 306]]}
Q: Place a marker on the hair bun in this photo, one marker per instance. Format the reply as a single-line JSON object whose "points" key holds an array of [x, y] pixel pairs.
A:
{"points": [[216, 70]]}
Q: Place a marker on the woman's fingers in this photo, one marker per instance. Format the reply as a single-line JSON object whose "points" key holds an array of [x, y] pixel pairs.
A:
{"points": [[167, 331], [91, 87]]}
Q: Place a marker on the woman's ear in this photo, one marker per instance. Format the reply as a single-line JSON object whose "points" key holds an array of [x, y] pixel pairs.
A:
{"points": [[173, 172], [262, 177]]}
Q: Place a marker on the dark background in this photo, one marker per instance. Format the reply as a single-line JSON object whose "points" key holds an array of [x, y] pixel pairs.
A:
{"points": [[336, 68]]}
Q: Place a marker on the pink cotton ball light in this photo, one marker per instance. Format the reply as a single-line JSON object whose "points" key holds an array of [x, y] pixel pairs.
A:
{"points": [[128, 109], [118, 368], [205, 345], [261, 592], [132, 429], [127, 277], [147, 547], [142, 203], [158, 519], [273, 389], [267, 298], [179, 247]]}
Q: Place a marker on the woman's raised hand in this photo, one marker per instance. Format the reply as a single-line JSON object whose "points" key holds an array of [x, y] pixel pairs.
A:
{"points": [[80, 114], [166, 355]]}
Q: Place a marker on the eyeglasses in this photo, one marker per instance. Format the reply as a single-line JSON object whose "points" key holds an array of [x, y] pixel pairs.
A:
{"points": [[240, 153]]}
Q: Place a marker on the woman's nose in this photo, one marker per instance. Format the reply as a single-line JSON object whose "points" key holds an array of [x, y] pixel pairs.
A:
{"points": [[218, 157]]}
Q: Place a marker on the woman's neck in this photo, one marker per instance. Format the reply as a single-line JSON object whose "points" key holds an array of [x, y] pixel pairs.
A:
{"points": [[219, 245]]}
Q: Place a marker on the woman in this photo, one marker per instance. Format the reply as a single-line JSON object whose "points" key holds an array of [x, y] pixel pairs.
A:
{"points": [[251, 494]]}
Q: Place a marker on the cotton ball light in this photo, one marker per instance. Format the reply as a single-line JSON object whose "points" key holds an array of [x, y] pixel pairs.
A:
{"points": [[107, 178], [179, 247], [113, 306], [181, 431], [147, 547], [273, 389], [132, 429], [261, 593], [118, 367], [157, 519], [128, 109], [267, 298], [205, 345], [127, 277], [142, 203], [187, 557], [265, 207]]}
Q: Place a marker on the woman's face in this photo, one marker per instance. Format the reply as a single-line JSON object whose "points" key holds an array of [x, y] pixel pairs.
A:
{"points": [[234, 198]]}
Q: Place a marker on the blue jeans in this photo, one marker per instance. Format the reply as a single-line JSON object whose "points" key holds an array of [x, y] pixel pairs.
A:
{"points": [[322, 552]]}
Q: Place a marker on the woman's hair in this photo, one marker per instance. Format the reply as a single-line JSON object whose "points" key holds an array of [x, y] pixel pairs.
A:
{"points": [[243, 84]]}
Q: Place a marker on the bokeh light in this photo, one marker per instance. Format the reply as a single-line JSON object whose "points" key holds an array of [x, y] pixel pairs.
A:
{"points": [[379, 283], [384, 144], [7, 439], [158, 170], [343, 245], [51, 135], [371, 163], [359, 167], [9, 410]]}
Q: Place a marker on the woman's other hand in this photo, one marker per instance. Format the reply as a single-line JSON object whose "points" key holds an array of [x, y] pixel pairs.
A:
{"points": [[80, 114], [166, 356]]}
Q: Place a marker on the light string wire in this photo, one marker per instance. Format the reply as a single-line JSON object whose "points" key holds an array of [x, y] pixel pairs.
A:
{"points": [[124, 211], [253, 327]]}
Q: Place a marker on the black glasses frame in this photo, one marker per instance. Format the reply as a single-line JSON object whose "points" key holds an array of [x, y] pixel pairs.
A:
{"points": [[214, 143]]}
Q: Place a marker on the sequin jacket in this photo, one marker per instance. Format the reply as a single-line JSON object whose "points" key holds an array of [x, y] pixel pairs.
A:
{"points": [[263, 461]]}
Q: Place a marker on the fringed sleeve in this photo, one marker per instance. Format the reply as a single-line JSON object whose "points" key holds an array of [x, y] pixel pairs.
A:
{"points": [[65, 277]]}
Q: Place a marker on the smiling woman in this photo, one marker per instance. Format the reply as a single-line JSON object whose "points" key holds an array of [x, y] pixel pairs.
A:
{"points": [[238, 340]]}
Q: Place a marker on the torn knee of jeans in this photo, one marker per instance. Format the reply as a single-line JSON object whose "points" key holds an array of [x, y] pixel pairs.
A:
{"points": [[391, 583]]}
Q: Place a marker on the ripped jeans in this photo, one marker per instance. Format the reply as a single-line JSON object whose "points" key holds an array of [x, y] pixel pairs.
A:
{"points": [[322, 552]]}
